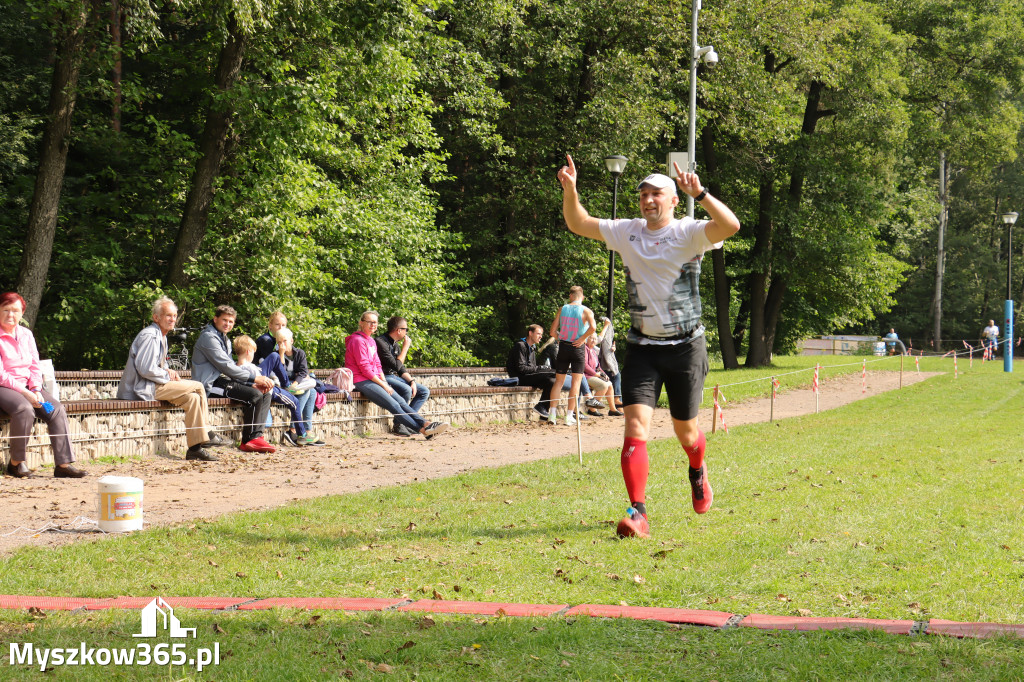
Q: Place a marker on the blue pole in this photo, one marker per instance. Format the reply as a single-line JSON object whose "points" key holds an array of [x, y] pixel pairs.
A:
{"points": [[1008, 327]]}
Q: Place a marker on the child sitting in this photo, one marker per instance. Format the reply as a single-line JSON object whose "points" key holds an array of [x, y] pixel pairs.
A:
{"points": [[245, 349]]}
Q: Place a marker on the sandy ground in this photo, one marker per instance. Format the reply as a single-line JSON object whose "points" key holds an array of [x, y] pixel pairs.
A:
{"points": [[177, 491]]}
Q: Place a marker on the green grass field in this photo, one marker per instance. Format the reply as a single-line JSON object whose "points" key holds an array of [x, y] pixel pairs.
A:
{"points": [[906, 505]]}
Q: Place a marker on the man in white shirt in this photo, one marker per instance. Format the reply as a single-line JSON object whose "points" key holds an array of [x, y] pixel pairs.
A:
{"points": [[990, 337], [665, 345]]}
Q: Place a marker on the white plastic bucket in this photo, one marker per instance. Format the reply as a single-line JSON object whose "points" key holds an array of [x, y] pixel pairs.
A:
{"points": [[120, 504]]}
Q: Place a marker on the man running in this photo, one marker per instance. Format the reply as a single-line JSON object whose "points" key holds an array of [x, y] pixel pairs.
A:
{"points": [[665, 345]]}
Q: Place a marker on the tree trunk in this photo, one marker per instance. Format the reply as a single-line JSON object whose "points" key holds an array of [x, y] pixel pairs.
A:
{"points": [[723, 287], [940, 258], [212, 148], [42, 216], [115, 76], [768, 288]]}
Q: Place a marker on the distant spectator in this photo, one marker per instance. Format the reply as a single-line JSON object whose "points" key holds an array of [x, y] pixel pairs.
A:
{"points": [[572, 325], [146, 377], [609, 363], [23, 397], [361, 357], [266, 342], [522, 364], [990, 337], [599, 381], [212, 366], [890, 341], [392, 349]]}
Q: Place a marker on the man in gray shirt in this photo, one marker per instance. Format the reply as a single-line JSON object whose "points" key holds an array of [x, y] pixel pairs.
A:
{"points": [[146, 377], [212, 366]]}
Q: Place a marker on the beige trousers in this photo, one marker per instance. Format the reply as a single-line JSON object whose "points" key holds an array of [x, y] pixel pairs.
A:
{"points": [[190, 396]]}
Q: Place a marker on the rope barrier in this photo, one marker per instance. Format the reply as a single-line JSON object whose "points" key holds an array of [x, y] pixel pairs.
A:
{"points": [[102, 436]]}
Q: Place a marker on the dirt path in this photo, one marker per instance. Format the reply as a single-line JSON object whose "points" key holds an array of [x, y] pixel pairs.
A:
{"points": [[176, 490]]}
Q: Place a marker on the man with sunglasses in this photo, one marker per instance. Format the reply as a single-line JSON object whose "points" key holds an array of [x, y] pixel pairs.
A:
{"points": [[392, 347]]}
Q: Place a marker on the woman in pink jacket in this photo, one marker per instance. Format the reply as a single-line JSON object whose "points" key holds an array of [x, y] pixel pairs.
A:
{"points": [[361, 357], [22, 396]]}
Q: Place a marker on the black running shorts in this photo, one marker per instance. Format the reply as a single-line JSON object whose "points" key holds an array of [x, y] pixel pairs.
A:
{"points": [[569, 356], [680, 367]]}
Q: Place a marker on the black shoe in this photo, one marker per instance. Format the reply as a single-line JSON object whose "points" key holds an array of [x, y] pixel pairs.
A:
{"points": [[595, 413], [196, 452], [19, 470], [542, 411], [403, 431], [289, 438], [68, 471], [215, 441]]}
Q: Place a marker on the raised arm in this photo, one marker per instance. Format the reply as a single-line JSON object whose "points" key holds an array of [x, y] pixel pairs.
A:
{"points": [[723, 223], [576, 217]]}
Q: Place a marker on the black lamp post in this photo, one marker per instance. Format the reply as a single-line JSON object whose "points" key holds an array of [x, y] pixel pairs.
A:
{"points": [[615, 165], [1009, 219]]}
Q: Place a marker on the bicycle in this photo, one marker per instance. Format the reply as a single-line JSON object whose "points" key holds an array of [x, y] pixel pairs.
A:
{"points": [[179, 361]]}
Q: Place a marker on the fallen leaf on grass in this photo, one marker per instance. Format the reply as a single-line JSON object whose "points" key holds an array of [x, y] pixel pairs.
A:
{"points": [[638, 579], [218, 629], [438, 596], [661, 554], [426, 622], [411, 526], [408, 645], [214, 563], [612, 576], [383, 668], [806, 613], [782, 597]]}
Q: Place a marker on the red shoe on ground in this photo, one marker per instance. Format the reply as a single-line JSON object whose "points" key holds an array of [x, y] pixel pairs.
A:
{"points": [[700, 489], [634, 525], [257, 445]]}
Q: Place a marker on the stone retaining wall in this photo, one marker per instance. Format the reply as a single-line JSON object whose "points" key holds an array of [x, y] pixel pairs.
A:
{"points": [[120, 429], [103, 385]]}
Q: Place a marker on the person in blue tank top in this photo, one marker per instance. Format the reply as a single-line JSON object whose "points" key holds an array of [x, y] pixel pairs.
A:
{"points": [[573, 324]]}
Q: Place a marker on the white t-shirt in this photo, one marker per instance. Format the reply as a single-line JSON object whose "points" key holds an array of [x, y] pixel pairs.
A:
{"points": [[991, 332], [662, 273]]}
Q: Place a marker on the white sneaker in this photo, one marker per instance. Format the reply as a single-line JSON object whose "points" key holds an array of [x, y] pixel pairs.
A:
{"points": [[570, 420]]}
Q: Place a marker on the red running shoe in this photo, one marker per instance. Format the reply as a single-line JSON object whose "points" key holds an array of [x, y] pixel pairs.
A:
{"points": [[700, 489], [634, 525], [258, 445]]}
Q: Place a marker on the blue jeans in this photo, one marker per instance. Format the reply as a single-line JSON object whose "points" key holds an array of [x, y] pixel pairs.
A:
{"points": [[393, 403], [584, 386], [283, 397], [405, 390], [616, 380], [307, 401]]}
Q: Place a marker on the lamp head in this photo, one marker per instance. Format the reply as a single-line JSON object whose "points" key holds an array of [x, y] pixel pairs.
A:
{"points": [[615, 164], [1010, 218]]}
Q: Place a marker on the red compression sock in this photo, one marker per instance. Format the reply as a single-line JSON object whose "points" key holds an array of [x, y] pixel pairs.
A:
{"points": [[634, 468], [696, 451]]}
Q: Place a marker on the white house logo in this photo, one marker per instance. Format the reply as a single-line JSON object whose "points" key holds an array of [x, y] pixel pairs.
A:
{"points": [[157, 618], [170, 622]]}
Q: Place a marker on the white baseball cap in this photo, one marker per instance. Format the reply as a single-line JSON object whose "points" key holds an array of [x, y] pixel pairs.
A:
{"points": [[660, 181]]}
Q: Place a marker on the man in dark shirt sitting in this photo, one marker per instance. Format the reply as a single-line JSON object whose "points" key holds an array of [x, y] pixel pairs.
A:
{"points": [[392, 347], [522, 363]]}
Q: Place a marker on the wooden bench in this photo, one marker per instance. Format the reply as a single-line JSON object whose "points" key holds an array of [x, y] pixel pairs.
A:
{"points": [[104, 427]]}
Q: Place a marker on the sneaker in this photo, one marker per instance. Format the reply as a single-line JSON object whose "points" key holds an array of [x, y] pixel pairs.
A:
{"points": [[257, 445], [634, 525], [197, 452], [434, 428], [593, 402], [544, 414], [289, 438], [614, 413], [310, 439], [569, 420], [402, 430], [700, 489], [552, 418]]}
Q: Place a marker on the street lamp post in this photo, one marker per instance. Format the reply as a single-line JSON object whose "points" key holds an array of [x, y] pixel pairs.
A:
{"points": [[710, 57], [1009, 219], [615, 165]]}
